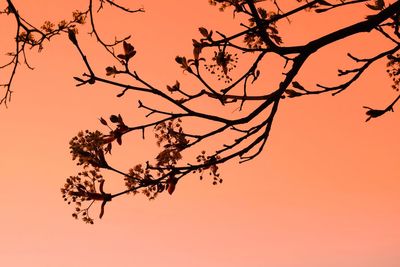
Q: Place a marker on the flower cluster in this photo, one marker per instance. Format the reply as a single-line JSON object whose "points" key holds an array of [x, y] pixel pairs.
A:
{"points": [[79, 16], [393, 70], [224, 63], [237, 4], [48, 26], [140, 177], [134, 176], [87, 148], [82, 188], [212, 167], [171, 135], [27, 38], [253, 39]]}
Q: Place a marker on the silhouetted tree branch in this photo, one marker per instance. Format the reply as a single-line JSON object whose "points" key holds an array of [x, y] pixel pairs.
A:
{"points": [[245, 133]]}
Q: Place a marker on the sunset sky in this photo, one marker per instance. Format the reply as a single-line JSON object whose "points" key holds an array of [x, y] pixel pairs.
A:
{"points": [[324, 192]]}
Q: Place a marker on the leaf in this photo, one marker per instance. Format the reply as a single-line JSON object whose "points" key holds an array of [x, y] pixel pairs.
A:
{"points": [[160, 188], [79, 79], [130, 55], [171, 182], [179, 59], [128, 48], [102, 209], [103, 121], [209, 37], [72, 36], [262, 12], [114, 118], [276, 38], [203, 32], [324, 3], [292, 93], [111, 70], [171, 188], [197, 47], [256, 75], [120, 120], [298, 86], [375, 112], [379, 5], [321, 10], [101, 186], [119, 140], [108, 148]]}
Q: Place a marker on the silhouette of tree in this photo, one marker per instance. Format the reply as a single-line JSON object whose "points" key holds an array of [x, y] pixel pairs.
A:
{"points": [[246, 134]]}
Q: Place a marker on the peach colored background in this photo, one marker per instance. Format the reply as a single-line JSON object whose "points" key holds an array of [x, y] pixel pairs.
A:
{"points": [[325, 192]]}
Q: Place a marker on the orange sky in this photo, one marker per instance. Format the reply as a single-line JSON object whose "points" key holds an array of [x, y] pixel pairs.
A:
{"points": [[325, 192]]}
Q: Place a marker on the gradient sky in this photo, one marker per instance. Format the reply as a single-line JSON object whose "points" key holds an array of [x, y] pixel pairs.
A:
{"points": [[325, 192]]}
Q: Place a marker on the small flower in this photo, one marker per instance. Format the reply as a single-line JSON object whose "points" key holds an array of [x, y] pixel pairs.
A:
{"points": [[47, 26], [79, 17]]}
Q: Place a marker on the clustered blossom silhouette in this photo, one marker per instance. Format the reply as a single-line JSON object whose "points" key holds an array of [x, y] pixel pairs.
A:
{"points": [[245, 135]]}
